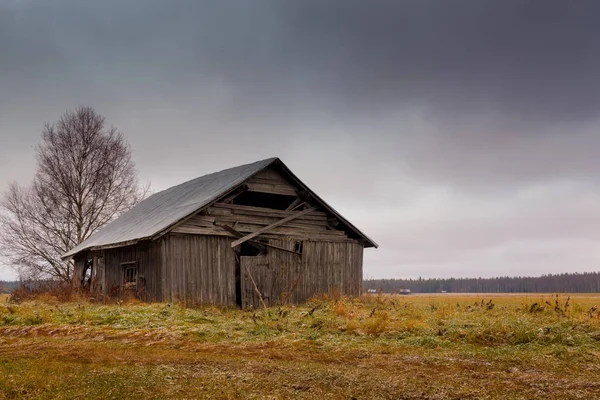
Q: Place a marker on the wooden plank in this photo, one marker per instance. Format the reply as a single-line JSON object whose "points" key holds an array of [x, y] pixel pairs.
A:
{"points": [[256, 219], [251, 225], [297, 206], [239, 235], [257, 215], [294, 204], [269, 227], [202, 218], [283, 230], [270, 175], [191, 230], [291, 234], [305, 219], [271, 188], [263, 210], [253, 243], [219, 210]]}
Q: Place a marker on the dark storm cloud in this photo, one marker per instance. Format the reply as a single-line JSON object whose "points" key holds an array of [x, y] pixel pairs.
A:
{"points": [[441, 114], [484, 74], [538, 59], [535, 59]]}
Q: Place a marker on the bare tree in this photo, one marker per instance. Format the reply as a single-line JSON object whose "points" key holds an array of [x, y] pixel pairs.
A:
{"points": [[85, 179]]}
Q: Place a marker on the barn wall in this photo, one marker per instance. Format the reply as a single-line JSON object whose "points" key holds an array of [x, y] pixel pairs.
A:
{"points": [[330, 261], [199, 269], [323, 267], [148, 258]]}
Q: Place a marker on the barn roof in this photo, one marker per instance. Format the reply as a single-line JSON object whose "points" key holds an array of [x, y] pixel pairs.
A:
{"points": [[159, 213]]}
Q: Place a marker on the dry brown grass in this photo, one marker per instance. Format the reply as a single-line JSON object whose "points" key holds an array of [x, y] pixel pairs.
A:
{"points": [[414, 347]]}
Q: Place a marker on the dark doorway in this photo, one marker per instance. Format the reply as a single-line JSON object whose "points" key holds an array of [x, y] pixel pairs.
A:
{"points": [[86, 276], [245, 250]]}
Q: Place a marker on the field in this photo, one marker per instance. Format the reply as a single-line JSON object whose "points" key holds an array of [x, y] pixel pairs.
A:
{"points": [[412, 347]]}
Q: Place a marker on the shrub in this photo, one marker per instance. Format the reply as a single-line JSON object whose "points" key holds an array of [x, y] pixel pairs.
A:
{"points": [[377, 324]]}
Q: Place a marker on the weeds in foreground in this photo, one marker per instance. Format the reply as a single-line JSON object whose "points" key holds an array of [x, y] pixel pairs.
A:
{"points": [[503, 321], [414, 347]]}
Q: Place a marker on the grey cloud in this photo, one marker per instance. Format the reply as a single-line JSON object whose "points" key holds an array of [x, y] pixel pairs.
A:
{"points": [[375, 104], [534, 60]]}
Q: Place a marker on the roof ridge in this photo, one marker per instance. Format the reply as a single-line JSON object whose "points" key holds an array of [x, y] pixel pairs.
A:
{"points": [[270, 159]]}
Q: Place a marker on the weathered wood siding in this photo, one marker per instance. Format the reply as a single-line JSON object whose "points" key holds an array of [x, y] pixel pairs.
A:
{"points": [[247, 219], [330, 260], [271, 181], [78, 262], [198, 269], [148, 259], [323, 267]]}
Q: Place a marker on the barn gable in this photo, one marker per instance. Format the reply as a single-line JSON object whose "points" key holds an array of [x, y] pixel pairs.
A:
{"points": [[262, 200]]}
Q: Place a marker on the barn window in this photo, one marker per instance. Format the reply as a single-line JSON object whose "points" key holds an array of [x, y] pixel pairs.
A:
{"points": [[130, 273], [299, 247], [265, 200]]}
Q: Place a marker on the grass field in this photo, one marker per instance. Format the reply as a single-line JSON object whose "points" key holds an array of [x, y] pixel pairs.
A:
{"points": [[412, 347]]}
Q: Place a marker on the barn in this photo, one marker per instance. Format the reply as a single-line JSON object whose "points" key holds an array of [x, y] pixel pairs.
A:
{"points": [[252, 236]]}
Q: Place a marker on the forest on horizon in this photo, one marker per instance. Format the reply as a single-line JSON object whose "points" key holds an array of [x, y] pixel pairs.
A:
{"points": [[584, 282]]}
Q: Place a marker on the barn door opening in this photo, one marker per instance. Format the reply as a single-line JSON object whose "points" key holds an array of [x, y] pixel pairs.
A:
{"points": [[245, 251], [86, 275], [256, 282]]}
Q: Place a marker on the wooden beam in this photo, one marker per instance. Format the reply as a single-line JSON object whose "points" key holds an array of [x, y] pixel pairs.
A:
{"points": [[294, 204], [298, 206], [273, 225], [240, 234], [253, 243], [270, 188], [264, 211]]}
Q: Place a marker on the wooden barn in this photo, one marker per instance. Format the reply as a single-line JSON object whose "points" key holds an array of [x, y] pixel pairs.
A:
{"points": [[243, 236]]}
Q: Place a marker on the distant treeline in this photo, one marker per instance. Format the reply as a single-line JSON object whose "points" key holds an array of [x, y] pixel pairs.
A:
{"points": [[8, 286], [587, 282]]}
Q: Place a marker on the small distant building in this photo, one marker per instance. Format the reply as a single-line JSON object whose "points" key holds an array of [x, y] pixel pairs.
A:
{"points": [[371, 290], [249, 235], [404, 291]]}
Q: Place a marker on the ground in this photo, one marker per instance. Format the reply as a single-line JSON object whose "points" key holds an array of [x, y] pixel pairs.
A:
{"points": [[389, 347]]}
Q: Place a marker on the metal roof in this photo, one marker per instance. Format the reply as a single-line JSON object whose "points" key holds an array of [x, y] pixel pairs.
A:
{"points": [[159, 212]]}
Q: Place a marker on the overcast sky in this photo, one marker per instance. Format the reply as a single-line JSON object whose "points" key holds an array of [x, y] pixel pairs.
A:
{"points": [[462, 136]]}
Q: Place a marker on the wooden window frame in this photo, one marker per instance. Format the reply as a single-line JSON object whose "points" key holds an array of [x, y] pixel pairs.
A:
{"points": [[127, 266]]}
